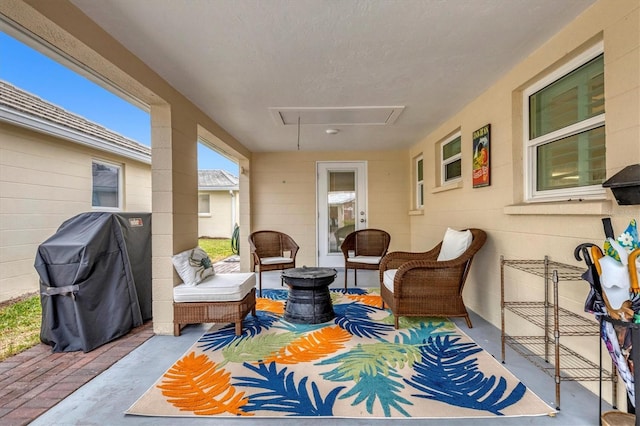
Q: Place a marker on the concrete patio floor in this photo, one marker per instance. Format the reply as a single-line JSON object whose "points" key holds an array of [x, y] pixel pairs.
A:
{"points": [[103, 400]]}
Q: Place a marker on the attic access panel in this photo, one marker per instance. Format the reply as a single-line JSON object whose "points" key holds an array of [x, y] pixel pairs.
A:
{"points": [[375, 115]]}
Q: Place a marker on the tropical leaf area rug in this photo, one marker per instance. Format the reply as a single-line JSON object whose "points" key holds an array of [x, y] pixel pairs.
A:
{"points": [[355, 366]]}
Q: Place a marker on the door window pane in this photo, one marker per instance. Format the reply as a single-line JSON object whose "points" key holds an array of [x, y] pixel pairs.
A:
{"points": [[341, 203]]}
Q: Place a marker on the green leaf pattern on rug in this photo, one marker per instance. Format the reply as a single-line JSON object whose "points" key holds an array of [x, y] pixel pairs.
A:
{"points": [[358, 365], [256, 348], [372, 366]]}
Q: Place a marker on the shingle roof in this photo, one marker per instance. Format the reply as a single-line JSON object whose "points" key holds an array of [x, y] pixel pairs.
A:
{"points": [[34, 107], [216, 179]]}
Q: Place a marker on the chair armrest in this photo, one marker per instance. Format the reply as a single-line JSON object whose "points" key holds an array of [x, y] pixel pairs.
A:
{"points": [[394, 259], [425, 276]]}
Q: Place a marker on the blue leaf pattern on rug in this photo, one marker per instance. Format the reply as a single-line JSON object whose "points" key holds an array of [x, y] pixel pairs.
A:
{"points": [[251, 327], [275, 294], [448, 373], [354, 317], [355, 366], [282, 394]]}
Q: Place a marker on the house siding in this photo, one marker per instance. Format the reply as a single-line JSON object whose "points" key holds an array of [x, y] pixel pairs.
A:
{"points": [[43, 182], [219, 223]]}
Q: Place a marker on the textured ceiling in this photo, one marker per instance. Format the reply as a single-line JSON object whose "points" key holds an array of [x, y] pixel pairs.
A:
{"points": [[238, 60]]}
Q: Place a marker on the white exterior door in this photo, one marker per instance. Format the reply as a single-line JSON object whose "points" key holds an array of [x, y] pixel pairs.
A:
{"points": [[342, 207]]}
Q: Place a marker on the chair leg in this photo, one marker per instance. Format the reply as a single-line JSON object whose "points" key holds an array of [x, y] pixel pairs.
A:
{"points": [[260, 281], [238, 328], [355, 278], [396, 318], [346, 273], [466, 317]]}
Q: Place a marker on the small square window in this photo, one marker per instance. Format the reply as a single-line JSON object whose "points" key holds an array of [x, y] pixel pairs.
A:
{"points": [[106, 186], [204, 205]]}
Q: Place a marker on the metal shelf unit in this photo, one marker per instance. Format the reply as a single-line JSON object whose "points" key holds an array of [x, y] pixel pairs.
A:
{"points": [[555, 321]]}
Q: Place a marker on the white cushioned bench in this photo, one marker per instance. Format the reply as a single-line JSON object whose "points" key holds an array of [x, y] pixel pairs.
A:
{"points": [[219, 298]]}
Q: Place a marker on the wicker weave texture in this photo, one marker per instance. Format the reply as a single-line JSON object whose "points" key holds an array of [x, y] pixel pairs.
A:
{"points": [[364, 242], [425, 287], [264, 244], [223, 312]]}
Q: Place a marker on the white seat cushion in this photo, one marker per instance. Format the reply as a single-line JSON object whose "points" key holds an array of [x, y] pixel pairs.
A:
{"points": [[275, 260], [218, 288], [371, 260], [388, 277], [454, 244]]}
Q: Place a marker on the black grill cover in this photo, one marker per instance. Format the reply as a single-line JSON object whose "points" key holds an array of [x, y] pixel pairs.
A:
{"points": [[95, 279]]}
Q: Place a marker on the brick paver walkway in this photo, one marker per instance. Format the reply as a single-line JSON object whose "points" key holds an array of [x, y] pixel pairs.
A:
{"points": [[37, 379]]}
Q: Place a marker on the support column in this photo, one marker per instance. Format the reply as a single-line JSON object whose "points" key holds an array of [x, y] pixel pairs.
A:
{"points": [[174, 203]]}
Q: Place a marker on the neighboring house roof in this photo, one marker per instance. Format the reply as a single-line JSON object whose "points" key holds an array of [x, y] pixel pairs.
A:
{"points": [[27, 110], [216, 180]]}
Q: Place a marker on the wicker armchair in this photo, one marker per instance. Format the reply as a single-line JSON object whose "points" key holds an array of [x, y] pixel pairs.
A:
{"points": [[364, 249], [271, 251], [416, 284]]}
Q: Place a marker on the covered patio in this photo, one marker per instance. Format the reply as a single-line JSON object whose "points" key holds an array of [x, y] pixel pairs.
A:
{"points": [[104, 398], [197, 95]]}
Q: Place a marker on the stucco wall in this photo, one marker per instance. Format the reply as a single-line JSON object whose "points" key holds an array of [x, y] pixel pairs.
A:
{"points": [[284, 198], [45, 181]]}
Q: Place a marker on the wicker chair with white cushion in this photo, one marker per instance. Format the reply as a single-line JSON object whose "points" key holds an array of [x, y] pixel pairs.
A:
{"points": [[364, 249], [272, 251], [430, 283], [219, 298]]}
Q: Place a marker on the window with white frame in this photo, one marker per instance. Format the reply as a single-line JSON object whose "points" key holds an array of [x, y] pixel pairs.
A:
{"points": [[106, 186], [565, 137], [419, 170], [451, 159], [204, 205]]}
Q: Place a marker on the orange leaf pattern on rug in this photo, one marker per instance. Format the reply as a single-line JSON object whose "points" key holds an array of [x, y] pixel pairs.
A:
{"points": [[194, 384], [314, 346], [273, 306], [367, 299]]}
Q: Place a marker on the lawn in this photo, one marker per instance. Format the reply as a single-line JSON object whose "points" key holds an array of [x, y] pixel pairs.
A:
{"points": [[20, 318], [19, 325]]}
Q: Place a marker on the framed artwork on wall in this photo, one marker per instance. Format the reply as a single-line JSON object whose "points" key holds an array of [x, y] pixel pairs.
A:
{"points": [[481, 151]]}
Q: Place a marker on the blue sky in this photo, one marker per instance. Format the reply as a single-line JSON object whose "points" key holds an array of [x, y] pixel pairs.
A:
{"points": [[36, 73]]}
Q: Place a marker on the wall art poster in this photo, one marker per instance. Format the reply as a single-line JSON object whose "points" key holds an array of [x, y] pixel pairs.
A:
{"points": [[481, 149]]}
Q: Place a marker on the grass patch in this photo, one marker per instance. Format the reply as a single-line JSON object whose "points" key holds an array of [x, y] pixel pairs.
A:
{"points": [[19, 326], [217, 248], [20, 319]]}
